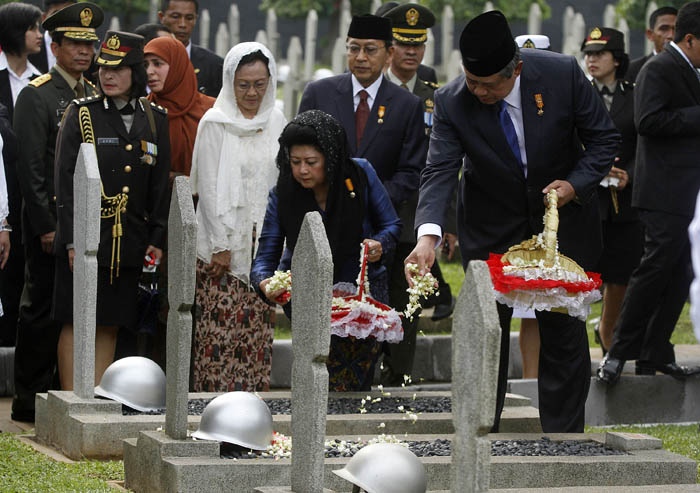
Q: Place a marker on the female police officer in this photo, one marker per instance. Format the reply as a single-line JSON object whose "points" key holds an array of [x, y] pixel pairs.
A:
{"points": [[132, 142]]}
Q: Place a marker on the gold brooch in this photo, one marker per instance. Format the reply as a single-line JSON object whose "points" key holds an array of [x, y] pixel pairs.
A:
{"points": [[540, 104], [380, 114]]}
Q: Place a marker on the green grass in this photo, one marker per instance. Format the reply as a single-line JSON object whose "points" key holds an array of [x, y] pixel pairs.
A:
{"points": [[679, 439], [24, 469]]}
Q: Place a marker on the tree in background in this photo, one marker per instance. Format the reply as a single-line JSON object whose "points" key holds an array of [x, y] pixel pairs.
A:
{"points": [[126, 9], [635, 11]]}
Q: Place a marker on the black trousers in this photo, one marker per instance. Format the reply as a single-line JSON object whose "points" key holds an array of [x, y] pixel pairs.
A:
{"points": [[37, 333], [656, 292], [564, 370], [11, 285]]}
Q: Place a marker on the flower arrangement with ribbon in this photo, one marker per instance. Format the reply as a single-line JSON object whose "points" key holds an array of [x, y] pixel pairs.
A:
{"points": [[359, 315], [534, 275]]}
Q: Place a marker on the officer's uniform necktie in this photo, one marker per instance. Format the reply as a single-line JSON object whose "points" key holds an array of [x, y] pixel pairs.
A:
{"points": [[509, 131], [361, 115], [79, 90]]}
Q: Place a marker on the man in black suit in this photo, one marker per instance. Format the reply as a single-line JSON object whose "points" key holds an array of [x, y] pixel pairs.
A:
{"points": [[44, 60], [667, 180], [180, 16], [528, 123], [661, 29]]}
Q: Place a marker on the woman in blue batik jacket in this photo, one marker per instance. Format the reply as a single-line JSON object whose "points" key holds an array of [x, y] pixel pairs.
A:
{"points": [[317, 174]]}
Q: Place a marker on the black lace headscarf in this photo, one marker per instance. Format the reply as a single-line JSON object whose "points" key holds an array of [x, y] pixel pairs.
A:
{"points": [[345, 208]]}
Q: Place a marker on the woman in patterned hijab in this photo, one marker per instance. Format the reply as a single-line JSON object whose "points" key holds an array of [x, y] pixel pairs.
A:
{"points": [[316, 174]]}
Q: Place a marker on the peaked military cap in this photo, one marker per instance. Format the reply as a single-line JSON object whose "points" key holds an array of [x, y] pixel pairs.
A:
{"points": [[536, 41], [487, 44], [385, 7], [120, 48], [604, 39], [410, 23], [370, 27], [78, 21]]}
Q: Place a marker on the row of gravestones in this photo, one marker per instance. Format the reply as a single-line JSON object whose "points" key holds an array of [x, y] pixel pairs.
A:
{"points": [[312, 270]]}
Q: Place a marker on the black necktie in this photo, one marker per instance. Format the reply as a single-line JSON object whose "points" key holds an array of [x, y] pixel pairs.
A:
{"points": [[605, 91], [127, 109]]}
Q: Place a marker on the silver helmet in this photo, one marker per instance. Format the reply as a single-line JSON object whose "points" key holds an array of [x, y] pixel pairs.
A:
{"points": [[240, 418], [135, 381], [385, 468]]}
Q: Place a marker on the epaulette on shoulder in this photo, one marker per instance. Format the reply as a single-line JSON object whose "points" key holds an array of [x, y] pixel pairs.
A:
{"points": [[42, 79], [627, 85], [158, 107], [88, 100], [87, 81], [431, 84]]}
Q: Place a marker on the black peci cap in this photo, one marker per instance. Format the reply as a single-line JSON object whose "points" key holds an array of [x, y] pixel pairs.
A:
{"points": [[410, 23], [370, 27], [604, 39], [487, 44], [78, 21], [120, 48]]}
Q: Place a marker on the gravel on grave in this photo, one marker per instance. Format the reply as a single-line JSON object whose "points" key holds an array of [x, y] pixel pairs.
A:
{"points": [[441, 447], [387, 405]]}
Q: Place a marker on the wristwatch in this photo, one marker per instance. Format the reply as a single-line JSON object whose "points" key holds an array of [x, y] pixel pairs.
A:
{"points": [[5, 227]]}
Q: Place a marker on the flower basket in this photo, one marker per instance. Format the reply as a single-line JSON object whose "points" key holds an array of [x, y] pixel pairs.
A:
{"points": [[534, 275], [359, 315]]}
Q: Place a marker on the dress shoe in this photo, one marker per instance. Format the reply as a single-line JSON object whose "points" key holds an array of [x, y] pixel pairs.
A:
{"points": [[443, 310], [610, 370], [599, 340], [673, 369]]}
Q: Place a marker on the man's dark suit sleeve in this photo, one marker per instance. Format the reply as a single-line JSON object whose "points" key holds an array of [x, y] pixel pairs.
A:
{"points": [[596, 131], [438, 179], [652, 98], [31, 128], [406, 178]]}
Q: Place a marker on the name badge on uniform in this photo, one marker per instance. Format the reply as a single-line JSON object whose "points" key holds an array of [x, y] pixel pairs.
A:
{"points": [[150, 151], [108, 141], [428, 113]]}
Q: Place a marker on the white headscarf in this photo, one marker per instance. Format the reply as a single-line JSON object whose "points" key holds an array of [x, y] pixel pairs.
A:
{"points": [[233, 166]]}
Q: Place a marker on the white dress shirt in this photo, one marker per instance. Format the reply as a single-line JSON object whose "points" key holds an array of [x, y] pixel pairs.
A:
{"points": [[371, 90], [49, 54], [17, 81], [188, 49], [515, 111]]}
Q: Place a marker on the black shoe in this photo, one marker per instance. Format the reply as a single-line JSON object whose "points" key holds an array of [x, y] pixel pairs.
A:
{"points": [[24, 416], [599, 340], [443, 310], [610, 370], [673, 369]]}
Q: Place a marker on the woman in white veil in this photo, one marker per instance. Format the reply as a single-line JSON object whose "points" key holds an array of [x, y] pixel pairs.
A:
{"points": [[233, 168]]}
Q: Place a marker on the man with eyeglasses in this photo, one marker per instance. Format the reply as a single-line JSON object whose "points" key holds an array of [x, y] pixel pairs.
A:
{"points": [[528, 122], [383, 122]]}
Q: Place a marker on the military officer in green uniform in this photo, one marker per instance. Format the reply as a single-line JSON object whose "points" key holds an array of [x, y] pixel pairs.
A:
{"points": [[410, 23], [132, 142], [37, 116]]}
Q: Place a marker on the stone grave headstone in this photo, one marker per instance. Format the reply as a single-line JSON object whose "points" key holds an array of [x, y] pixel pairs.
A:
{"points": [[475, 357], [234, 25], [204, 27], [182, 253], [429, 56], [312, 271], [454, 65], [114, 24], [293, 85], [261, 37], [271, 30], [448, 26], [310, 44], [648, 45], [86, 239], [609, 16], [567, 20], [534, 19], [624, 28], [339, 60], [488, 7], [345, 18], [153, 7], [222, 44]]}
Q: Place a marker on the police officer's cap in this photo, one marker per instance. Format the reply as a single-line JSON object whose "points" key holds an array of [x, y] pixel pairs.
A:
{"points": [[120, 48], [78, 21], [410, 23], [604, 39], [385, 7], [536, 41], [370, 27], [487, 44]]}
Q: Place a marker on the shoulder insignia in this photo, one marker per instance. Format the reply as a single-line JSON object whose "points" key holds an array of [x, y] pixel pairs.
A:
{"points": [[159, 108], [431, 84], [89, 83], [627, 85], [42, 79], [88, 100]]}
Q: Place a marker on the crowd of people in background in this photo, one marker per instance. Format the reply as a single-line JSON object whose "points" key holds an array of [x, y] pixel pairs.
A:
{"points": [[385, 156]]}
